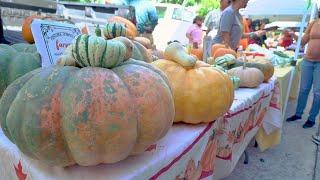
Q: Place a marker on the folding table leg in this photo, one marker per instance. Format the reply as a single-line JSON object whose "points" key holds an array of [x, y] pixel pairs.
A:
{"points": [[246, 157]]}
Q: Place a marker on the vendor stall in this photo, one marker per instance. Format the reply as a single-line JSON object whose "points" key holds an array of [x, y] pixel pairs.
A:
{"points": [[287, 77], [186, 151]]}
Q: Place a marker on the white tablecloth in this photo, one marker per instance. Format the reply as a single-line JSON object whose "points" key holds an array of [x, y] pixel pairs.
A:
{"points": [[186, 152]]}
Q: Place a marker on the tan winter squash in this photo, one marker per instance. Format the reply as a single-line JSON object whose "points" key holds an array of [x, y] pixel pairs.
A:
{"points": [[201, 93], [144, 41], [249, 77]]}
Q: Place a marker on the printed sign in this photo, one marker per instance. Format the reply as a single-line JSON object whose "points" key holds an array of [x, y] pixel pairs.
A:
{"points": [[52, 38]]}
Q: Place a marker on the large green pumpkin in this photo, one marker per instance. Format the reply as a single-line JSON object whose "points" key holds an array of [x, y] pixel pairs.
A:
{"points": [[14, 63], [87, 116]]}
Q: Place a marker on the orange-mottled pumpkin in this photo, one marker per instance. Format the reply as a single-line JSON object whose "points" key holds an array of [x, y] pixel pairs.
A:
{"points": [[26, 29], [87, 116], [201, 93]]}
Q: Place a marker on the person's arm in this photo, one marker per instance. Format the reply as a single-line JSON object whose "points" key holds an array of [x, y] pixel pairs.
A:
{"points": [[258, 33], [188, 34], [306, 36], [226, 39], [226, 21]]}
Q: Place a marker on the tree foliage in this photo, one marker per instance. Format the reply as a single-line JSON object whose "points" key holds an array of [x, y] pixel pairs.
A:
{"points": [[204, 5]]}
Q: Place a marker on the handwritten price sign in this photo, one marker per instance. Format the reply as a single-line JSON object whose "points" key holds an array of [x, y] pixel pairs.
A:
{"points": [[52, 38]]}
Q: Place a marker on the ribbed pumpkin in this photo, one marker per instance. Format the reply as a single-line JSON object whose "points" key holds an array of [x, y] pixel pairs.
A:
{"points": [[215, 47], [95, 51], [26, 29], [201, 93], [112, 30], [249, 77], [261, 63], [87, 116], [15, 63], [223, 51], [131, 28]]}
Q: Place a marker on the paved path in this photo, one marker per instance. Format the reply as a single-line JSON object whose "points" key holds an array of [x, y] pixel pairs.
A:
{"points": [[295, 158]]}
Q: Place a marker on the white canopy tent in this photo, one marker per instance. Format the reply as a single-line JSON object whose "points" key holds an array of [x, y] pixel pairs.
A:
{"points": [[276, 10], [284, 10]]}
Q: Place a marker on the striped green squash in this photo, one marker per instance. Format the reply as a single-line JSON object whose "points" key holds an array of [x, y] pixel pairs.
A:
{"points": [[112, 30], [235, 81], [95, 51]]}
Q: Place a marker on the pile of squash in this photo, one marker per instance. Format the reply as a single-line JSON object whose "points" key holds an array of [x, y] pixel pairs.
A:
{"points": [[99, 105], [102, 109], [250, 72]]}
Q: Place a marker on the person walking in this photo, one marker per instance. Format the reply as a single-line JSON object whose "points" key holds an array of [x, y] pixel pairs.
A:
{"points": [[310, 75]]}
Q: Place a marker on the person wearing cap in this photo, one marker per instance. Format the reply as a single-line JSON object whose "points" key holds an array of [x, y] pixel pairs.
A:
{"points": [[231, 27]]}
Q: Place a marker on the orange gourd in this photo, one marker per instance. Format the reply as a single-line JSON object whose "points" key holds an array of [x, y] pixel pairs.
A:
{"points": [[26, 29], [223, 51], [197, 52], [201, 93], [215, 47]]}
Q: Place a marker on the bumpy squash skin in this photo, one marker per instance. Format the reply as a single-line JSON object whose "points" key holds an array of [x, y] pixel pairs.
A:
{"points": [[66, 115]]}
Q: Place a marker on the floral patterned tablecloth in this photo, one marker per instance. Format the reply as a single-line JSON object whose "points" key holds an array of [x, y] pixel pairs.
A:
{"points": [[186, 152], [240, 125]]}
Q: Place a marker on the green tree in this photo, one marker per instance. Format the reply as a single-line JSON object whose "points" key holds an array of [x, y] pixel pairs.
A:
{"points": [[208, 5], [204, 5]]}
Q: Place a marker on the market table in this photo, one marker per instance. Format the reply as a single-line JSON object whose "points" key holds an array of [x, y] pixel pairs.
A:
{"points": [[186, 152], [269, 134], [239, 126]]}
